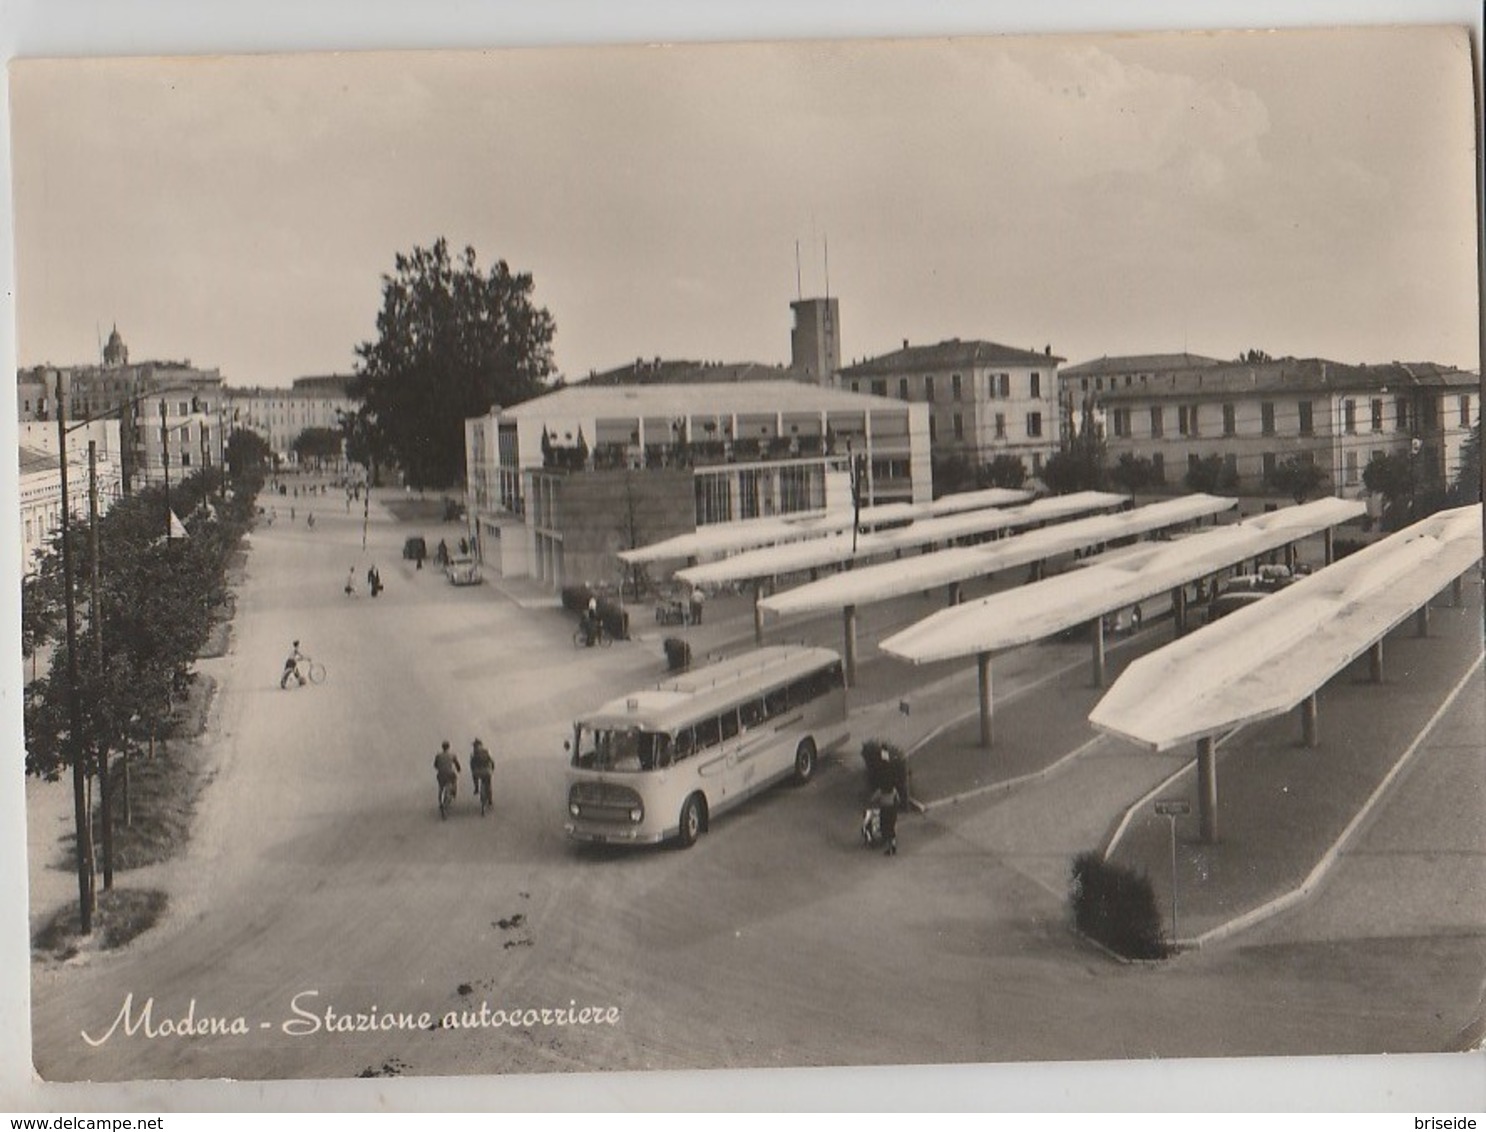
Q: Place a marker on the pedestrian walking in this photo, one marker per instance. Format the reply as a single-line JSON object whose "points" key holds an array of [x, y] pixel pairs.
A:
{"points": [[351, 582], [697, 598]]}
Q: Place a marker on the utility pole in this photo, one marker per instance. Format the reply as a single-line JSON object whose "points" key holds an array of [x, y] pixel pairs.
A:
{"points": [[165, 463], [95, 620], [75, 725]]}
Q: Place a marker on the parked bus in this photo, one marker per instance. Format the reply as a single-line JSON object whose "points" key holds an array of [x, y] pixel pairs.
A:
{"points": [[662, 762]]}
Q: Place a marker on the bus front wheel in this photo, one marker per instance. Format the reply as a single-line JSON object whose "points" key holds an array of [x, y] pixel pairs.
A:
{"points": [[691, 821], [805, 762]]}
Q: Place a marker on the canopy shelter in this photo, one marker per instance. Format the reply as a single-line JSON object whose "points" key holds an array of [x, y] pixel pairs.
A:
{"points": [[1265, 660], [1032, 612], [729, 538], [838, 550], [886, 580]]}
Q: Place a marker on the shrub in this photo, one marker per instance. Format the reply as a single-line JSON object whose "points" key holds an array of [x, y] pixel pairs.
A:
{"points": [[1117, 907]]}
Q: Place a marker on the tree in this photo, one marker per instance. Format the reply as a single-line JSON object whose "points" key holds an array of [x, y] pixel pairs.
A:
{"points": [[1298, 478], [318, 444], [1468, 481], [1134, 473], [1254, 356], [451, 342], [1390, 475], [1211, 474], [1003, 471], [1080, 466]]}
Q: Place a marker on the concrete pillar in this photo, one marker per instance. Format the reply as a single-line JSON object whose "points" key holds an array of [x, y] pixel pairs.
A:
{"points": [[1330, 538], [1099, 652], [983, 671], [1290, 557], [1179, 609], [1308, 720], [1375, 662], [758, 613], [1207, 788], [956, 593], [850, 644], [1457, 592], [1421, 621]]}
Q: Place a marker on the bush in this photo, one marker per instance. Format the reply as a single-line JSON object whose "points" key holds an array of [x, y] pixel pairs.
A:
{"points": [[678, 654], [1117, 907]]}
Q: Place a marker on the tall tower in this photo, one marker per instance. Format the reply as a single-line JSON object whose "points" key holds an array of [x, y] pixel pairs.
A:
{"points": [[815, 341], [115, 353]]}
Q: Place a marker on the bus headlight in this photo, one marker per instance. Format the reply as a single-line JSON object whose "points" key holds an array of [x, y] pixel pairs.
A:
{"points": [[637, 815], [573, 809]]}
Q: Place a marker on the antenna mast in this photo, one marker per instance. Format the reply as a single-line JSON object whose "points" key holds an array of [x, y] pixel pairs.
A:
{"points": [[826, 242], [799, 288]]}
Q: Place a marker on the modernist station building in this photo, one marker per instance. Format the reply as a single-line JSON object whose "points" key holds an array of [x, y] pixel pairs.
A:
{"points": [[560, 484]]}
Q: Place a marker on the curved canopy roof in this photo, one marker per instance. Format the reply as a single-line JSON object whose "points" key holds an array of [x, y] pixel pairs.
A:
{"points": [[729, 538], [1264, 660], [1031, 612], [836, 550], [909, 575]]}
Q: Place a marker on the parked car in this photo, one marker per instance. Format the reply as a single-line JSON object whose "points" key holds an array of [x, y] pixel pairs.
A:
{"points": [[415, 547], [463, 572], [1246, 589]]}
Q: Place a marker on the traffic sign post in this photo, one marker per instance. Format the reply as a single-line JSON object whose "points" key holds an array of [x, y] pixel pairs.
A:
{"points": [[1171, 809]]}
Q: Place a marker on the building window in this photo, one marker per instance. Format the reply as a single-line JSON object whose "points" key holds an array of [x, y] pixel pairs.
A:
{"points": [[1351, 466], [959, 423], [956, 388], [1266, 418], [1186, 420], [1037, 463], [1158, 463], [1122, 422], [929, 388], [1000, 426], [1005, 384], [1269, 466], [856, 386], [1230, 419], [1158, 427], [1193, 460], [1034, 424], [1036, 384], [903, 388], [933, 428], [1083, 384], [1307, 422], [1465, 410], [1230, 467], [1401, 417], [1349, 415], [879, 388], [1377, 414]]}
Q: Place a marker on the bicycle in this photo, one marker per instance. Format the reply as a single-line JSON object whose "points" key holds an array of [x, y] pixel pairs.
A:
{"points": [[583, 637], [446, 799], [482, 788]]}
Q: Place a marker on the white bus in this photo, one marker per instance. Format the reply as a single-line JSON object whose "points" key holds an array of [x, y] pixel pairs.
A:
{"points": [[662, 762]]}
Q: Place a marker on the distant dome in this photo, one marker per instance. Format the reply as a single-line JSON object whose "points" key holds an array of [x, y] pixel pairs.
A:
{"points": [[115, 353]]}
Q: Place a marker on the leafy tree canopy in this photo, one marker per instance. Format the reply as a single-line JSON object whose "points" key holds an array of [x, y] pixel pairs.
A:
{"points": [[318, 444], [1297, 478], [451, 341], [1211, 474], [1134, 473]]}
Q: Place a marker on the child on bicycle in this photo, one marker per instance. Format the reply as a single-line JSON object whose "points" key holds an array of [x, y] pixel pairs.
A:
{"points": [[291, 667], [482, 767]]}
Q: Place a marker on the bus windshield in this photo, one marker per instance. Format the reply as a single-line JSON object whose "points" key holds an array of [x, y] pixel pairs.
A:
{"points": [[621, 749]]}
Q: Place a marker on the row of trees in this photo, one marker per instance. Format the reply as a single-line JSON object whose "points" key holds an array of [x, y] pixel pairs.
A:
{"points": [[147, 620]]}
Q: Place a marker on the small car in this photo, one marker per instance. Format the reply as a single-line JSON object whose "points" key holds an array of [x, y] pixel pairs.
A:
{"points": [[463, 572], [415, 547]]}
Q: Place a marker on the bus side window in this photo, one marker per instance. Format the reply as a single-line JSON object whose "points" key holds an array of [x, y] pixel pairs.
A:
{"points": [[685, 745], [776, 703], [751, 713], [800, 692], [729, 724], [709, 734]]}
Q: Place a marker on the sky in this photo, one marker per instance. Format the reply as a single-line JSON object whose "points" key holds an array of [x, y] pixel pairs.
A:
{"points": [[1301, 192]]}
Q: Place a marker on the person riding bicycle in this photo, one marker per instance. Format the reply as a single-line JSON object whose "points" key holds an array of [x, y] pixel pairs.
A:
{"points": [[482, 766], [446, 768], [291, 667], [591, 624]]}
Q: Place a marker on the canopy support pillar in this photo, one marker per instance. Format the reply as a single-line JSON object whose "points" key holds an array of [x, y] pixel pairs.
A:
{"points": [[1179, 609], [1457, 591], [849, 645], [1207, 788], [956, 593], [758, 613], [983, 672], [1098, 635], [1308, 720], [1421, 621], [1330, 538], [1375, 662]]}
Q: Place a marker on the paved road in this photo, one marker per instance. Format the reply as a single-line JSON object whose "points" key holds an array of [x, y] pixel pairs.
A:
{"points": [[320, 870]]}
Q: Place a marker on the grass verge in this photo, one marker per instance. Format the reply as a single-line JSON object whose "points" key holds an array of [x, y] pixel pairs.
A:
{"points": [[121, 915]]}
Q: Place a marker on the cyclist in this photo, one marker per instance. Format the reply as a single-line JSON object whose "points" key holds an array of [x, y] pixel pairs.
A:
{"points": [[482, 766], [446, 768], [291, 667]]}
